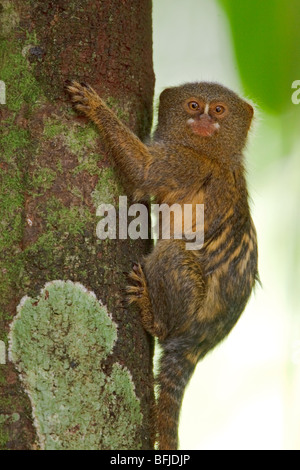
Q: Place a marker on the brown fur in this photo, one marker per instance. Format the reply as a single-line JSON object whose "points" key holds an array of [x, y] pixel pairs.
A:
{"points": [[190, 300]]}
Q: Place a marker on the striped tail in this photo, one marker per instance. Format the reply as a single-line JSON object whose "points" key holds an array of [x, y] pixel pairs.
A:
{"points": [[175, 372]]}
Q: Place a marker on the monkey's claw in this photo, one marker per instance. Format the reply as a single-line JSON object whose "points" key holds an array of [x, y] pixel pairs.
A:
{"points": [[134, 292], [83, 96], [137, 287]]}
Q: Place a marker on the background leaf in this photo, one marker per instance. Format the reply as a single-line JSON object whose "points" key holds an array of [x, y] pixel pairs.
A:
{"points": [[266, 36]]}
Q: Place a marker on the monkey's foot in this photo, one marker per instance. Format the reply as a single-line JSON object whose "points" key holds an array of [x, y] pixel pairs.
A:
{"points": [[138, 289], [84, 97], [138, 292]]}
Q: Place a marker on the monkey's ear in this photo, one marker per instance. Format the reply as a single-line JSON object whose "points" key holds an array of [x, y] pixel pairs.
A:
{"points": [[165, 95], [249, 109], [165, 92]]}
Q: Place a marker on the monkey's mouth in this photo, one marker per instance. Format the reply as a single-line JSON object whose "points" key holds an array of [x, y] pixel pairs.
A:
{"points": [[203, 126]]}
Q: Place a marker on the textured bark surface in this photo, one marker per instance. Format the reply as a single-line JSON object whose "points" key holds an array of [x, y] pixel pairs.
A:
{"points": [[54, 173]]}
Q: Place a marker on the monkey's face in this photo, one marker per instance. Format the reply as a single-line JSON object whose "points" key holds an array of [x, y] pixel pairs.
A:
{"points": [[205, 115]]}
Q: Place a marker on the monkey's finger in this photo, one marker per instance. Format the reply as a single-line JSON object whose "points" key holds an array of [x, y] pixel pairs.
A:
{"points": [[67, 83], [134, 277], [71, 85], [88, 88], [82, 87], [133, 293], [76, 91], [79, 98], [83, 109]]}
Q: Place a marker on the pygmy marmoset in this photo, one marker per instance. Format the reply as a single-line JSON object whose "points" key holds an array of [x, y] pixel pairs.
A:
{"points": [[188, 299]]}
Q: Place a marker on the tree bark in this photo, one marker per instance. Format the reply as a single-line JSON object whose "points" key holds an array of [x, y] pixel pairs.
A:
{"points": [[53, 175]]}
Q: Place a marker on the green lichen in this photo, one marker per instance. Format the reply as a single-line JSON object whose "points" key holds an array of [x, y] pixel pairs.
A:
{"points": [[11, 200], [4, 437], [13, 139], [80, 140], [63, 219], [22, 92], [120, 386], [119, 110], [9, 18], [106, 188], [41, 180], [58, 342], [6, 419], [54, 128], [12, 418], [17, 73]]}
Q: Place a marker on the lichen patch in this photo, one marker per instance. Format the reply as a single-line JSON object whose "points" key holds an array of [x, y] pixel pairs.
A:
{"points": [[58, 342]]}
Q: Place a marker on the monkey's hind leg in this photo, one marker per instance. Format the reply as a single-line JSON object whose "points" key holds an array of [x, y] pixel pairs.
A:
{"points": [[138, 292]]}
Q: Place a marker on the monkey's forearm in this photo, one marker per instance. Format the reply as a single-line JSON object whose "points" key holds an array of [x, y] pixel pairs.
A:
{"points": [[128, 151], [130, 154]]}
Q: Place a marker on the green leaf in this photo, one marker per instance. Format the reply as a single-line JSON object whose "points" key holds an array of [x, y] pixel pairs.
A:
{"points": [[266, 36]]}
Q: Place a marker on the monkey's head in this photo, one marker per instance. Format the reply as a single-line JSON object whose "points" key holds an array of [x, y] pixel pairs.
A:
{"points": [[207, 116]]}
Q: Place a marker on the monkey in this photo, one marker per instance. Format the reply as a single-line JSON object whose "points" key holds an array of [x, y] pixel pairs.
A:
{"points": [[188, 299]]}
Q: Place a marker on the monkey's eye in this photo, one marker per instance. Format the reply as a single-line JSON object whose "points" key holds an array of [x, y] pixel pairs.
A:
{"points": [[193, 105], [219, 109]]}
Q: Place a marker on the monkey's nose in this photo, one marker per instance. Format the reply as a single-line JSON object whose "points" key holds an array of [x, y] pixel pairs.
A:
{"points": [[204, 125], [205, 117]]}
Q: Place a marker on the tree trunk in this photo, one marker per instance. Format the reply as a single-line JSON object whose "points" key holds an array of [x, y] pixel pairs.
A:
{"points": [[79, 373]]}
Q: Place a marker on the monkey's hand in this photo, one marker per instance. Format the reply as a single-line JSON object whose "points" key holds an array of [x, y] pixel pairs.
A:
{"points": [[129, 153], [84, 97]]}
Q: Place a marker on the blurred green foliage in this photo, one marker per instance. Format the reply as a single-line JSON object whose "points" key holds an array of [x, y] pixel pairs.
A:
{"points": [[266, 36]]}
